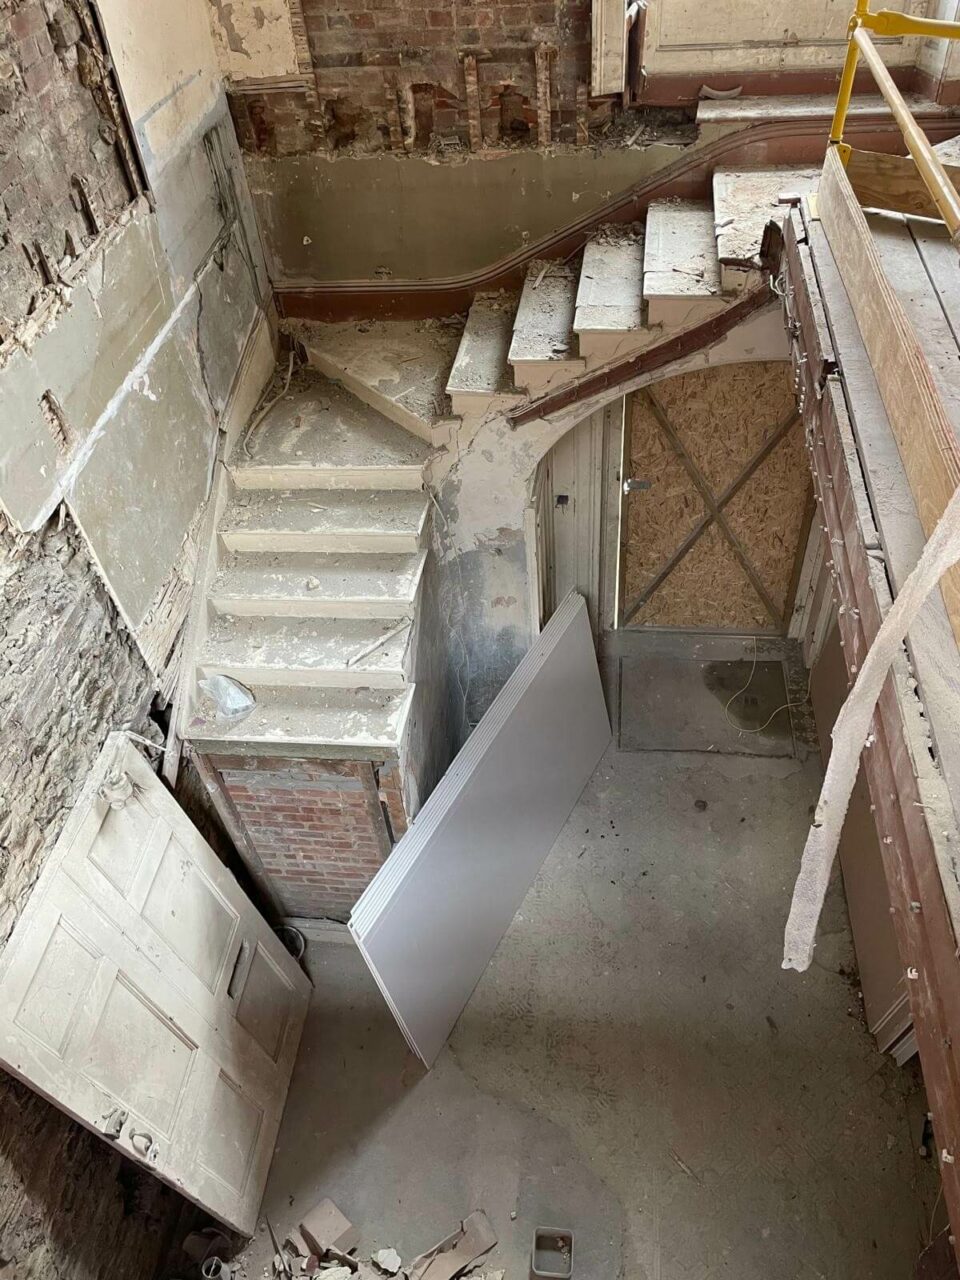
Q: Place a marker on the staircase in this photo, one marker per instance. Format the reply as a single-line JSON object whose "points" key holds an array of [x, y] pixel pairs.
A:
{"points": [[631, 286], [315, 564], [319, 523]]}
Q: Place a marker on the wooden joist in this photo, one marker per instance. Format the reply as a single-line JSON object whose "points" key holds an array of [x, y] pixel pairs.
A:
{"points": [[923, 431]]}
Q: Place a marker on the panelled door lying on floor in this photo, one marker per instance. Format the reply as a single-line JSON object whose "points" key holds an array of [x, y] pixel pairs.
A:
{"points": [[432, 917], [143, 994]]}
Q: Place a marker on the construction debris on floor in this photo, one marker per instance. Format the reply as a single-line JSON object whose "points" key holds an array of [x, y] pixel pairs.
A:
{"points": [[327, 1241]]}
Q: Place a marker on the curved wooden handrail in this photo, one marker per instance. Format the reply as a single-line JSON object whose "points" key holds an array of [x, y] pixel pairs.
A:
{"points": [[688, 176]]}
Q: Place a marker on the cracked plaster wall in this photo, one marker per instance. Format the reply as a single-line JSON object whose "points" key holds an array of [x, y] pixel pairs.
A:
{"points": [[483, 581], [140, 345], [112, 392]]}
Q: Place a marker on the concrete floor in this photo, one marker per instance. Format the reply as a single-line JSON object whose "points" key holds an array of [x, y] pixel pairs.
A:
{"points": [[634, 1064]]}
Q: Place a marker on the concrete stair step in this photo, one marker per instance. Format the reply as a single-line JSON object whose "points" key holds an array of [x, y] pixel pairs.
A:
{"points": [[398, 367], [744, 201], [681, 271], [320, 436], [322, 652], [610, 289], [310, 585], [324, 520], [344, 720], [481, 373], [544, 349]]}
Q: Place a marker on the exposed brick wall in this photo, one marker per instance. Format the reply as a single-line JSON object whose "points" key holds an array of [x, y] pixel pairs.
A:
{"points": [[316, 827], [70, 1207], [61, 172], [380, 64]]}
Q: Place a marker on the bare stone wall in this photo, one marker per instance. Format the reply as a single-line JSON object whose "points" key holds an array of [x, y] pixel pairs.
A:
{"points": [[69, 674]]}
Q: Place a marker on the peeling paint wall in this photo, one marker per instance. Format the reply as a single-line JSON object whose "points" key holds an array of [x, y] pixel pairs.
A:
{"points": [[480, 545], [254, 41], [111, 397]]}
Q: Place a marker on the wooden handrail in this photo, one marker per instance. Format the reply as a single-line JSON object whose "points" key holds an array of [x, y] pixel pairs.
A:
{"points": [[929, 166]]}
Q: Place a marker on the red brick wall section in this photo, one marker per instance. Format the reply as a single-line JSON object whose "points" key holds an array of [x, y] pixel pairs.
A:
{"points": [[317, 827], [369, 55]]}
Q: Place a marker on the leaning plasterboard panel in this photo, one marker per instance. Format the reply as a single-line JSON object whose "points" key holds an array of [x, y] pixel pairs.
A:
{"points": [[96, 333], [433, 915], [147, 472]]}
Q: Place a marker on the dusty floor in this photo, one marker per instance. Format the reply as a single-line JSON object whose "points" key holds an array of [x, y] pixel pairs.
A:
{"points": [[634, 1064]]}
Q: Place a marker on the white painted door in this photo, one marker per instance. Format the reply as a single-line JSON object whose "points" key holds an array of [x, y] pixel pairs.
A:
{"points": [[432, 917], [143, 994]]}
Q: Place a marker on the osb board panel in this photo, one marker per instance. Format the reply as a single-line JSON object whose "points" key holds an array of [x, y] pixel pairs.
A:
{"points": [[724, 415], [659, 518], [708, 588], [767, 514]]}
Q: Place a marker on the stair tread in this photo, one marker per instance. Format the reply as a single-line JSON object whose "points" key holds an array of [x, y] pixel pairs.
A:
{"points": [[311, 576], [319, 424], [543, 329], [482, 365], [304, 645], [749, 108], [610, 289], [400, 366], [327, 511], [680, 252], [744, 201], [335, 717]]}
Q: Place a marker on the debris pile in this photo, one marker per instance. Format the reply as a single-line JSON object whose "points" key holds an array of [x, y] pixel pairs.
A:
{"points": [[326, 1246]]}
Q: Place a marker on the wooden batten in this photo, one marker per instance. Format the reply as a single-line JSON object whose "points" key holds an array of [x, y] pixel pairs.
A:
{"points": [[893, 182], [923, 431]]}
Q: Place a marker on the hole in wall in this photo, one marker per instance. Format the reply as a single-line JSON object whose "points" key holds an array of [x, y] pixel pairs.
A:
{"points": [[514, 109], [424, 104]]}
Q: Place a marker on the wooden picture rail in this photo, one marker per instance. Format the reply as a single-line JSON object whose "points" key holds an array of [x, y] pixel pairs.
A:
{"points": [[921, 426]]}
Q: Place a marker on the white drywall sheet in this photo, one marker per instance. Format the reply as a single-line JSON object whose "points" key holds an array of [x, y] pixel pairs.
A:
{"points": [[432, 917]]}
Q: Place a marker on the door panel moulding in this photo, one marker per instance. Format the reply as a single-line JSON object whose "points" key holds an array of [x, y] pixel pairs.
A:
{"points": [[872, 536], [432, 917], [143, 994]]}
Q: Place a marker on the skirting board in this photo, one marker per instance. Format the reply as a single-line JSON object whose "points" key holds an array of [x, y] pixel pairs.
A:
{"points": [[432, 917]]}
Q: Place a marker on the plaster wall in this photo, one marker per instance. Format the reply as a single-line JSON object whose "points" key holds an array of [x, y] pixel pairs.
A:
{"points": [[759, 35], [253, 42], [140, 345], [480, 545], [409, 217]]}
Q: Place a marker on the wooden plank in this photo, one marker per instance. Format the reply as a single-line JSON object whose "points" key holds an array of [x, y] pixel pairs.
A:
{"points": [[905, 797], [940, 259], [804, 306], [920, 423], [892, 182], [931, 643], [907, 275]]}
